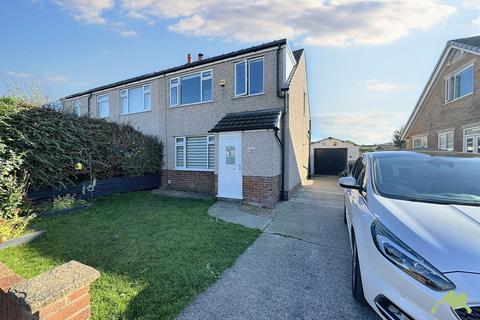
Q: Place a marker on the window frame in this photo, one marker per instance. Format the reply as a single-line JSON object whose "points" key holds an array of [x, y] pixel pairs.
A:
{"points": [[124, 93], [78, 112], [247, 77], [445, 134], [475, 138], [178, 85], [107, 99], [418, 138], [184, 145], [454, 76]]}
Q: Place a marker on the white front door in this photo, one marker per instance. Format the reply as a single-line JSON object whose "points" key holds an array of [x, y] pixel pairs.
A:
{"points": [[230, 165]]}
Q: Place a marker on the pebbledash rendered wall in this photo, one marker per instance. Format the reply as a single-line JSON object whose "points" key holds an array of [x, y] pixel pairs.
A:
{"points": [[261, 151]]}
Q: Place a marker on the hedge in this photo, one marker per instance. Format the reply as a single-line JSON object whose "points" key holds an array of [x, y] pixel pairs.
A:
{"points": [[53, 142]]}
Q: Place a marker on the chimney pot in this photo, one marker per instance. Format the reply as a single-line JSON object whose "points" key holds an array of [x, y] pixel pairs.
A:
{"points": [[200, 56], [189, 58]]}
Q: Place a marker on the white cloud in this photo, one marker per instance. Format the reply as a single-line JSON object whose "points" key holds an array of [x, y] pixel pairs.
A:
{"points": [[55, 78], [128, 33], [314, 22], [39, 78], [17, 74], [383, 86], [90, 11], [361, 127]]}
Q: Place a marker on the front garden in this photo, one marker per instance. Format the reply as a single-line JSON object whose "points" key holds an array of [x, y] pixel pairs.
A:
{"points": [[155, 254]]}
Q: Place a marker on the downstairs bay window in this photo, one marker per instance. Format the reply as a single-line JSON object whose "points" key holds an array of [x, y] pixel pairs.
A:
{"points": [[195, 153]]}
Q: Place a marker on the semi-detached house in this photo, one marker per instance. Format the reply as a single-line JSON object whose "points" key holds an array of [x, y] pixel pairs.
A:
{"points": [[447, 114], [235, 125]]}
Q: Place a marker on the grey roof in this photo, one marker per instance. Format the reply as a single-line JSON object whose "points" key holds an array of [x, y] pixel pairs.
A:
{"points": [[249, 120], [471, 43], [297, 54], [184, 66]]}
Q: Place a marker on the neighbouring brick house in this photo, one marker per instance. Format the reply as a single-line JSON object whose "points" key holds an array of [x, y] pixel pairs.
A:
{"points": [[235, 125], [447, 114]]}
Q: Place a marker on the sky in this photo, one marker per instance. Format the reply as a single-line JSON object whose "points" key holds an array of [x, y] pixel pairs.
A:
{"points": [[367, 61]]}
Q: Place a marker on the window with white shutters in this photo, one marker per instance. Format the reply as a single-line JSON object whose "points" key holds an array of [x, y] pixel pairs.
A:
{"points": [[195, 153]]}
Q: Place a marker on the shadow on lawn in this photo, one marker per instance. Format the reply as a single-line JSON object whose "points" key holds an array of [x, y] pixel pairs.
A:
{"points": [[155, 254]]}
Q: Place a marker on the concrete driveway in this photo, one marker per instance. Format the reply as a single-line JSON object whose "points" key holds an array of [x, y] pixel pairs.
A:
{"points": [[299, 268]]}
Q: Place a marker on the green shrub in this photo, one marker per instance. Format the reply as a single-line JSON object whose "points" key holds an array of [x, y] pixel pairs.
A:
{"points": [[13, 185], [66, 202], [54, 142]]}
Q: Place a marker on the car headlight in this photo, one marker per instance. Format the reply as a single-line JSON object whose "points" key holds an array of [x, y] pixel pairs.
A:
{"points": [[408, 260]]}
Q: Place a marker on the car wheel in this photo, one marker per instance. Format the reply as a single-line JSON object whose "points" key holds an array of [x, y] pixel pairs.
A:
{"points": [[357, 287], [345, 214]]}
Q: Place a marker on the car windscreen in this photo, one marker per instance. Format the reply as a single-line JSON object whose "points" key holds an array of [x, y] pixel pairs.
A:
{"points": [[428, 179]]}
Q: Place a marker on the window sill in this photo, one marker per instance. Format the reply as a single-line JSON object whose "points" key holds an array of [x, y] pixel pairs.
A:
{"points": [[127, 114], [249, 95], [190, 104], [460, 98]]}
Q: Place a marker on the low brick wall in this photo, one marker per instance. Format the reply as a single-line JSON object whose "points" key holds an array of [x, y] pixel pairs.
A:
{"points": [[63, 293], [184, 180], [261, 191]]}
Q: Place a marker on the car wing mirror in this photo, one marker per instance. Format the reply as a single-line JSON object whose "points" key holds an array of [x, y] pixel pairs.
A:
{"points": [[348, 183]]}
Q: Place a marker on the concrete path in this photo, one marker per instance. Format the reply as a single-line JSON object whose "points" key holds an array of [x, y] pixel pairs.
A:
{"points": [[230, 211], [299, 268]]}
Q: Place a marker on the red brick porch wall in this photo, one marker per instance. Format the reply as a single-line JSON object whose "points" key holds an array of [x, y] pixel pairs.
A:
{"points": [[261, 191]]}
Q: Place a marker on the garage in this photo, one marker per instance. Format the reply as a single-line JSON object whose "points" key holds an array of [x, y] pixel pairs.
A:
{"points": [[330, 161], [331, 156]]}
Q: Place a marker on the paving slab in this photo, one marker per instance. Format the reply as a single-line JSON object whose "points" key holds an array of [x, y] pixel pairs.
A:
{"points": [[230, 211]]}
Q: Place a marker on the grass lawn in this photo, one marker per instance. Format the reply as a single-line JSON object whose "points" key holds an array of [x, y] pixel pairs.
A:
{"points": [[155, 254]]}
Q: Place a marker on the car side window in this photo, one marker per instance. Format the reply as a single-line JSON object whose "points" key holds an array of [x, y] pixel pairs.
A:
{"points": [[357, 170]]}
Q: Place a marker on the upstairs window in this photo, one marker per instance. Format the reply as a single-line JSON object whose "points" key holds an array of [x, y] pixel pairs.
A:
{"points": [[459, 84], [136, 99], [103, 106], [191, 89], [77, 108], [249, 75], [445, 141], [195, 153], [419, 142]]}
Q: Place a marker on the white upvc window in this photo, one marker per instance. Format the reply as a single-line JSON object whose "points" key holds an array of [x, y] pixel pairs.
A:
{"points": [[195, 153], [103, 106], [77, 107], [471, 140], [445, 141], [459, 84], [191, 89], [134, 100], [419, 142], [249, 77]]}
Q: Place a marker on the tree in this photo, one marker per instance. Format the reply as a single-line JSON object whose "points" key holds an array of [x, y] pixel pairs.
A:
{"points": [[397, 137]]}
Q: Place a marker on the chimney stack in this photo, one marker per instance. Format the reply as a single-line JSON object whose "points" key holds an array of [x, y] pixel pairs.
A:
{"points": [[200, 56], [189, 58]]}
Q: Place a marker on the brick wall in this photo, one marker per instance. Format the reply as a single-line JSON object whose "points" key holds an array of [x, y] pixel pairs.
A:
{"points": [[200, 181], [261, 191], [60, 294]]}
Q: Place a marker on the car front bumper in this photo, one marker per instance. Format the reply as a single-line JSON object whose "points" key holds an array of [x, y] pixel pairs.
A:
{"points": [[382, 279]]}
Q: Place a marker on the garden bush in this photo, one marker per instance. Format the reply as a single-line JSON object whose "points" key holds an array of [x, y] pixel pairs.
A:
{"points": [[53, 142], [14, 210]]}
